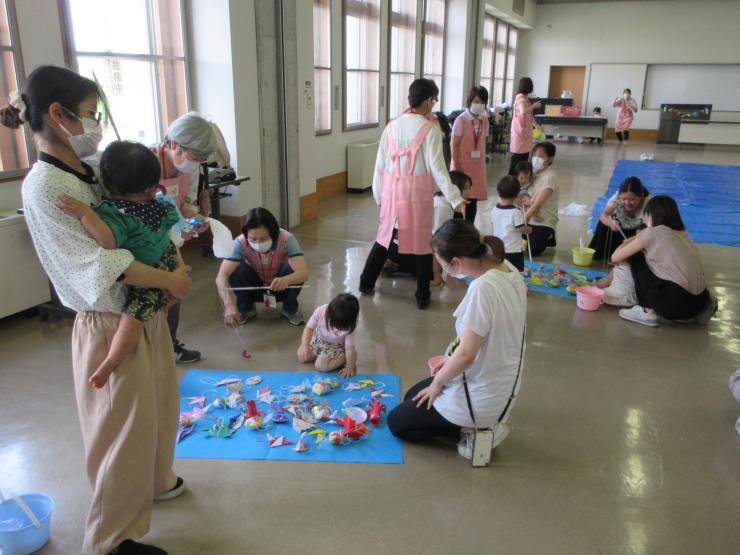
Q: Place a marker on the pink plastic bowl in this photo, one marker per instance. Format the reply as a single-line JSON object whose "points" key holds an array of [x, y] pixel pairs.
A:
{"points": [[435, 361], [589, 298]]}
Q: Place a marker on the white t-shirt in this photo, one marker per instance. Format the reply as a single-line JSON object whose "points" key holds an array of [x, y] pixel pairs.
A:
{"points": [[507, 221], [495, 308], [546, 179], [442, 212]]}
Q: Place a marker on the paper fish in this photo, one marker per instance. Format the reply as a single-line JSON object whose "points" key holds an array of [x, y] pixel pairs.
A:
{"points": [[319, 435], [322, 411], [228, 381], [300, 447], [194, 415], [235, 387], [379, 393], [278, 414], [253, 380], [296, 397], [237, 421], [366, 383], [265, 395], [234, 400], [197, 400], [321, 388], [219, 430], [278, 441], [301, 425], [254, 423], [184, 431], [352, 386]]}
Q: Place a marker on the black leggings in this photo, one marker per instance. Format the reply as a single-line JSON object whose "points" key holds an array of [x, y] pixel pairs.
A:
{"points": [[604, 243], [667, 299], [471, 209], [379, 254], [418, 424], [540, 238], [515, 159], [626, 135]]}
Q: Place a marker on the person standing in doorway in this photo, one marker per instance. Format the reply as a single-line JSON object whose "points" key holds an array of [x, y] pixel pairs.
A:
{"points": [[410, 166]]}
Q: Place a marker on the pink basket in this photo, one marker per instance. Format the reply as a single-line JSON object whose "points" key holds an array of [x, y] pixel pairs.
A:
{"points": [[571, 111], [589, 298]]}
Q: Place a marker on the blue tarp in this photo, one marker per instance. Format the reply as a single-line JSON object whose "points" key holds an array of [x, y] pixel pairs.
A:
{"points": [[561, 290], [708, 196], [377, 447]]}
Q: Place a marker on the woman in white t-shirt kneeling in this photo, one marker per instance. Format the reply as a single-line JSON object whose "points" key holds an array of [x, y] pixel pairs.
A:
{"points": [[487, 352]]}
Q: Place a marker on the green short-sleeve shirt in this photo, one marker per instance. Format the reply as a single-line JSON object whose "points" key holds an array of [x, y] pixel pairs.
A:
{"points": [[143, 228]]}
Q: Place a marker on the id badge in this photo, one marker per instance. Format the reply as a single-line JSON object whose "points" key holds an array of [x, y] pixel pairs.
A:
{"points": [[475, 154], [270, 300]]}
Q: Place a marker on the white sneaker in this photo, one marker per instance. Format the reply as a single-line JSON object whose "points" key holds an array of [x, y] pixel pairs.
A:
{"points": [[638, 315], [177, 490], [465, 447]]}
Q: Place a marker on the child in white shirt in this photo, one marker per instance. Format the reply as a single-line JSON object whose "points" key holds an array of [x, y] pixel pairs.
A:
{"points": [[443, 212], [329, 336], [508, 220]]}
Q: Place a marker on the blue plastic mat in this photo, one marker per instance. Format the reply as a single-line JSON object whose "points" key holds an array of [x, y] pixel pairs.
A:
{"points": [[377, 447], [708, 196], [561, 289]]}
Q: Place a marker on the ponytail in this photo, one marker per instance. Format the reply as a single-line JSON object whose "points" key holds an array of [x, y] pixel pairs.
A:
{"points": [[460, 238]]}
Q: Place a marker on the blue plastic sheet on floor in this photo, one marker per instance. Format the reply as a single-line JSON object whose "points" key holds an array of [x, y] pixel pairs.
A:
{"points": [[560, 291], [708, 196], [377, 447]]}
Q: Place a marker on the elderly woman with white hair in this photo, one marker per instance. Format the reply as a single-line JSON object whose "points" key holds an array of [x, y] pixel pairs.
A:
{"points": [[189, 142]]}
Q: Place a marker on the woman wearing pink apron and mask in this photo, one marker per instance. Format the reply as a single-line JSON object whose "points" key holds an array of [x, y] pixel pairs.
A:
{"points": [[469, 147], [410, 163], [264, 256], [625, 114], [188, 143], [522, 121]]}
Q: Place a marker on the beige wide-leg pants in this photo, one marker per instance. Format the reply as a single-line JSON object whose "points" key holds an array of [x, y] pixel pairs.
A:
{"points": [[128, 427]]}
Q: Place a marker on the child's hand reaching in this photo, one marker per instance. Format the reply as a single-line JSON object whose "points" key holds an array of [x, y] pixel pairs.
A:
{"points": [[305, 354], [73, 207], [347, 372]]}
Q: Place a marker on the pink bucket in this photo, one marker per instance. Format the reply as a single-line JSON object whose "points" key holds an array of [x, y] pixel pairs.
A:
{"points": [[589, 298], [435, 361]]}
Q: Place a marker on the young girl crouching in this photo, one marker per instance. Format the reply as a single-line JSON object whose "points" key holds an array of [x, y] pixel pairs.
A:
{"points": [[329, 337]]}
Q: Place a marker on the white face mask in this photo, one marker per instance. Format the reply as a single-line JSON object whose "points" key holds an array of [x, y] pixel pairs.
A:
{"points": [[86, 144], [261, 247], [477, 108], [452, 274], [538, 163], [188, 166]]}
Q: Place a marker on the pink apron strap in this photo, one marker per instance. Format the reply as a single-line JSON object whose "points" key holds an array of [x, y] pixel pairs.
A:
{"points": [[416, 145]]}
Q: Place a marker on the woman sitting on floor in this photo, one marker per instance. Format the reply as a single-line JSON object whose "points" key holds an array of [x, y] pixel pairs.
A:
{"points": [[665, 266], [622, 215]]}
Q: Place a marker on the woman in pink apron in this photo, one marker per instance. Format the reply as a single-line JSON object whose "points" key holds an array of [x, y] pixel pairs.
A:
{"points": [[469, 134], [188, 143], [267, 257], [522, 120], [410, 163], [625, 114]]}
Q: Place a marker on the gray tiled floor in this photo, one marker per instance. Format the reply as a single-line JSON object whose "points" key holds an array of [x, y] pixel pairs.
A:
{"points": [[622, 440]]}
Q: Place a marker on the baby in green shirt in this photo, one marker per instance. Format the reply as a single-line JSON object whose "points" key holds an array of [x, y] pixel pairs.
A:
{"points": [[134, 220]]}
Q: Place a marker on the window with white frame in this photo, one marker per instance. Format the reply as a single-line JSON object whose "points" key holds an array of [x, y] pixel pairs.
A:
{"points": [[510, 65], [499, 62], [136, 51], [13, 146], [322, 65], [403, 54], [361, 63], [486, 63], [434, 41]]}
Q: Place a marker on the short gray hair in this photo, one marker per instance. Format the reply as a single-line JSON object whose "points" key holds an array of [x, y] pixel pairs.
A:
{"points": [[193, 132]]}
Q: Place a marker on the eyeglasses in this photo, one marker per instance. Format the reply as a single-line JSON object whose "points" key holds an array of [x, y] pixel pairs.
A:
{"points": [[190, 155], [97, 116]]}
